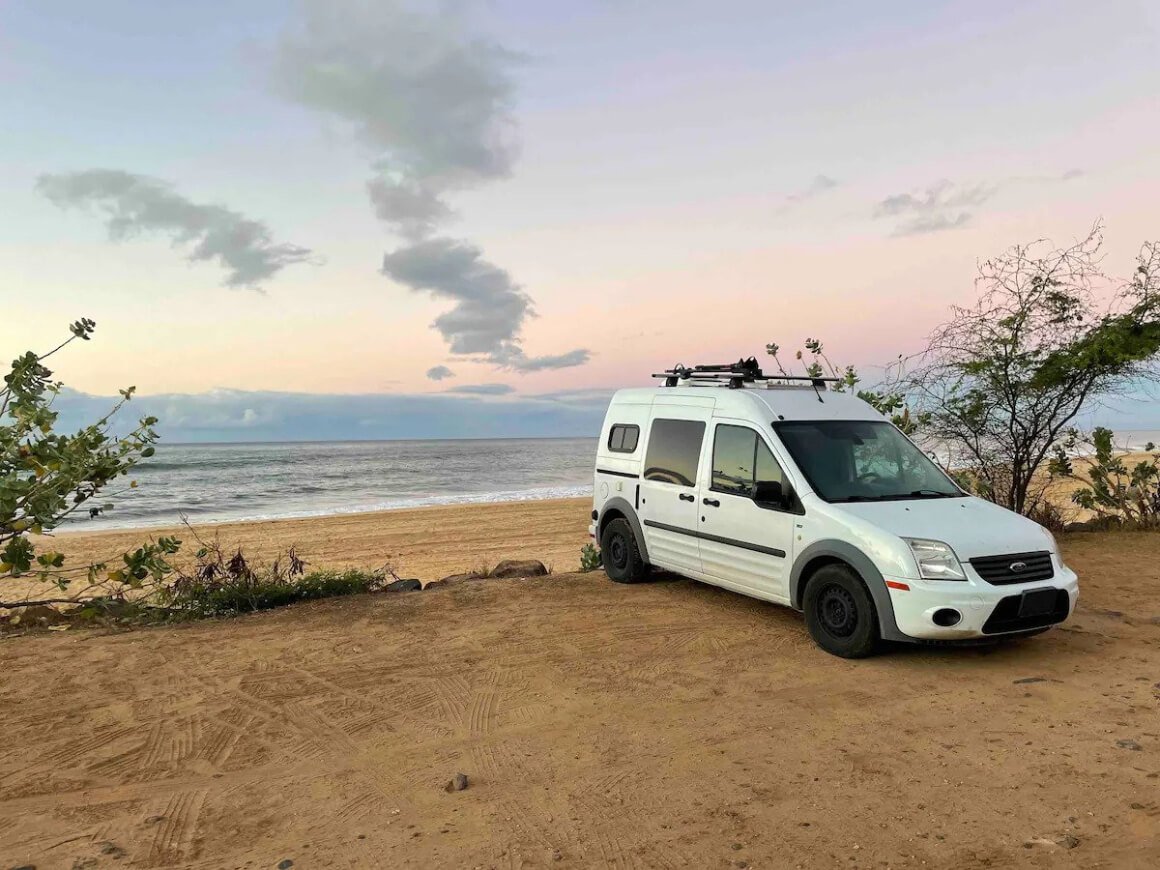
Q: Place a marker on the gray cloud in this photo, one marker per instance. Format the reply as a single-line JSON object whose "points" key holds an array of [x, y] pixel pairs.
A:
{"points": [[413, 207], [513, 357], [942, 206], [490, 308], [819, 185], [138, 204], [432, 100], [483, 389], [948, 206], [932, 223], [439, 373], [434, 103]]}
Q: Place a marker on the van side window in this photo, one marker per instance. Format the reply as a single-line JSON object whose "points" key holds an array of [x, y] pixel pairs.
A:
{"points": [[623, 438], [674, 448], [741, 461]]}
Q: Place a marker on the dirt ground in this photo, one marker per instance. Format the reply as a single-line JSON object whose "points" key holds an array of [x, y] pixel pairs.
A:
{"points": [[663, 725]]}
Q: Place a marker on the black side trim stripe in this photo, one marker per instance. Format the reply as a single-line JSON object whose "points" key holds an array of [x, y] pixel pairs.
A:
{"points": [[717, 539], [618, 473]]}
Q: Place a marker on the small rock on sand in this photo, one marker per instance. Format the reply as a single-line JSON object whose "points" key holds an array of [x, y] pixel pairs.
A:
{"points": [[285, 864], [518, 568], [1068, 841], [41, 614], [458, 578], [403, 586], [1129, 744], [458, 783], [1030, 680]]}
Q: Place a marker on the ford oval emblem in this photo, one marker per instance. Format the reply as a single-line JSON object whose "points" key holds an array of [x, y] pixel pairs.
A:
{"points": [[1017, 567]]}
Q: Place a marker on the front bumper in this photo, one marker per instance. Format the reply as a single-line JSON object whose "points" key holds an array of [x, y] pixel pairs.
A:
{"points": [[982, 606]]}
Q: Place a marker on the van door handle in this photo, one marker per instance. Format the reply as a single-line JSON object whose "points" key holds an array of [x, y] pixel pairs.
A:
{"points": [[711, 502], [687, 497]]}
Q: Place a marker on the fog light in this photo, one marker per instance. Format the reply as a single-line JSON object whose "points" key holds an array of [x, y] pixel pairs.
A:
{"points": [[946, 617]]}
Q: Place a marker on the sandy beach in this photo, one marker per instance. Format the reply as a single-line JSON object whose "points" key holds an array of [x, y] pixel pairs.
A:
{"points": [[426, 543]]}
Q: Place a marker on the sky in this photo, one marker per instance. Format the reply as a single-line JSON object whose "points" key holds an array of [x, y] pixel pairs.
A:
{"points": [[372, 218]]}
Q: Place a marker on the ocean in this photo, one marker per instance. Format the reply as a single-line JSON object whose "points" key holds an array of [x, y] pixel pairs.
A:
{"points": [[223, 482], [258, 481]]}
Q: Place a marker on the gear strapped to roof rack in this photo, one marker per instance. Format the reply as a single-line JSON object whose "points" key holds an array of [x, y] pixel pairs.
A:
{"points": [[735, 375]]}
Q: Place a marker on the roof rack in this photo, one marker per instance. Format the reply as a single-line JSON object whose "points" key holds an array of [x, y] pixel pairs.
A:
{"points": [[735, 375]]}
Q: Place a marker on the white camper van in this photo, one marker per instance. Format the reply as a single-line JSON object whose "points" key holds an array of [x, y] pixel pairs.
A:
{"points": [[785, 490]]}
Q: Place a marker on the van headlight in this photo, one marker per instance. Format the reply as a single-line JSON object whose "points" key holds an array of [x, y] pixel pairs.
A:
{"points": [[936, 560], [1053, 546]]}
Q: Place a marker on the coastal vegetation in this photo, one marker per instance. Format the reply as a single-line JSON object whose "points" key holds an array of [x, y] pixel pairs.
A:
{"points": [[589, 558], [998, 388], [222, 583], [1119, 490], [47, 476]]}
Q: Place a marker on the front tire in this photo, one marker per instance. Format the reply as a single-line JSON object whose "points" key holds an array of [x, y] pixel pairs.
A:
{"points": [[623, 562], [840, 613]]}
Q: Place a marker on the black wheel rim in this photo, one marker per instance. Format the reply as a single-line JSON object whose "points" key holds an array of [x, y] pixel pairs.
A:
{"points": [[837, 612], [618, 552]]}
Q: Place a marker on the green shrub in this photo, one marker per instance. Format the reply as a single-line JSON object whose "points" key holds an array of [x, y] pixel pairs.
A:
{"points": [[1112, 488], [220, 586], [589, 558]]}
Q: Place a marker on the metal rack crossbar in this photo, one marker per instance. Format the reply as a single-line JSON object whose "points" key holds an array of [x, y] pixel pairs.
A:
{"points": [[735, 375]]}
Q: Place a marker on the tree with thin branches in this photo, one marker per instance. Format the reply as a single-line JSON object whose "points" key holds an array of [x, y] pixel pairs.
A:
{"points": [[1048, 334]]}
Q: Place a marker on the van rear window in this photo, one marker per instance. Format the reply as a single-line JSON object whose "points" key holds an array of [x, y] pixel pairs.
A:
{"points": [[674, 448], [623, 438]]}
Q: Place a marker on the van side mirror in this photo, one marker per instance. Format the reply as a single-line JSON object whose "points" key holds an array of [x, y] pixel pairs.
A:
{"points": [[772, 493]]}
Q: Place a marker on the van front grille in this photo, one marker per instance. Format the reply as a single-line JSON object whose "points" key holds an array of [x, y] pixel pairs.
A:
{"points": [[1014, 568]]}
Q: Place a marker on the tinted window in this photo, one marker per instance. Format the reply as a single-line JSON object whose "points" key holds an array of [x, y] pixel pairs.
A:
{"points": [[623, 438], [741, 461], [674, 447]]}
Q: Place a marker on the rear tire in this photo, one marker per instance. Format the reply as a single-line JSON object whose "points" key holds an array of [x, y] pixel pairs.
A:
{"points": [[620, 553], [840, 613]]}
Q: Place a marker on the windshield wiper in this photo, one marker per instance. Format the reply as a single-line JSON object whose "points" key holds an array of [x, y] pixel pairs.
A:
{"points": [[900, 496]]}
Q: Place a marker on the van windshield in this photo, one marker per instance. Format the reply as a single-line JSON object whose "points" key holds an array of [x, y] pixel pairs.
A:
{"points": [[863, 460]]}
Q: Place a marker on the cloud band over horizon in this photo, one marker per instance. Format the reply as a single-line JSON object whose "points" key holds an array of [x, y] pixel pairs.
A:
{"points": [[472, 411]]}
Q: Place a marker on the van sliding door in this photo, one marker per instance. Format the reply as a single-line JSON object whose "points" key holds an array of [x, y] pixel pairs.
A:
{"points": [[668, 487]]}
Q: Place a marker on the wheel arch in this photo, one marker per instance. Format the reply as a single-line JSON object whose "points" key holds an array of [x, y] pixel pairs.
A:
{"points": [[620, 508], [833, 552]]}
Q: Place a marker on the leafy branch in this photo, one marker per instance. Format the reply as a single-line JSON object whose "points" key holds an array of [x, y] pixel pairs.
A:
{"points": [[47, 476]]}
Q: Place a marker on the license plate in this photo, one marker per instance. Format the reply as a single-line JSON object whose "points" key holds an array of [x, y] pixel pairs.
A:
{"points": [[1038, 602]]}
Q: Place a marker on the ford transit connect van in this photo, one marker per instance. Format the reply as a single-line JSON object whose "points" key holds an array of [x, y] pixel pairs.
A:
{"points": [[784, 490]]}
